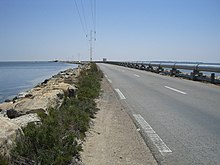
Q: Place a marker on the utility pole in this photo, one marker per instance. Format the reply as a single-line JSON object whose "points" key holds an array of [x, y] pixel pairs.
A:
{"points": [[91, 39]]}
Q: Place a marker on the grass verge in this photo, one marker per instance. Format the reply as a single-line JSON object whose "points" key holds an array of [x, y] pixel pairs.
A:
{"points": [[56, 140], [3, 160]]}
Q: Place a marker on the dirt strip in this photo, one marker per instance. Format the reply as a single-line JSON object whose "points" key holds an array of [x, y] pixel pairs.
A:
{"points": [[114, 138]]}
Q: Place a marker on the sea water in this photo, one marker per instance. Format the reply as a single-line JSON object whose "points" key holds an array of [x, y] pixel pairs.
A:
{"points": [[16, 77]]}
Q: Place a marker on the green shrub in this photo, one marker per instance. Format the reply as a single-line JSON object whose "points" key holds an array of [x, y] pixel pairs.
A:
{"points": [[49, 143], [89, 83], [55, 141], [3, 160]]}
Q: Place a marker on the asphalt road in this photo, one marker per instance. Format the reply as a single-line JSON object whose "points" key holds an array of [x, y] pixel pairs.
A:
{"points": [[179, 119]]}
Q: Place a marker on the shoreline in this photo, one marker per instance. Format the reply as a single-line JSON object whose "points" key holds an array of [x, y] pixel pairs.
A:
{"points": [[46, 86], [23, 109], [20, 76]]}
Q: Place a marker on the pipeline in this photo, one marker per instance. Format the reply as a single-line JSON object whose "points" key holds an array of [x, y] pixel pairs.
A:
{"points": [[158, 67]]}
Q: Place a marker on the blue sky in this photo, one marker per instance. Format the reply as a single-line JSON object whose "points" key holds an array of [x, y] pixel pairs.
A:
{"points": [[176, 30]]}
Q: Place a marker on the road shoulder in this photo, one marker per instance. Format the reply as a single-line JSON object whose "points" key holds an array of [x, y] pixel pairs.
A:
{"points": [[114, 139]]}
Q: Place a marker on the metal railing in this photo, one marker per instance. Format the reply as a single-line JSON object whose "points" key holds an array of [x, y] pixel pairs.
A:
{"points": [[175, 67]]}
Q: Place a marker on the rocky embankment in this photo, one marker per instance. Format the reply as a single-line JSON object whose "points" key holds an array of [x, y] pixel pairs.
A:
{"points": [[17, 113]]}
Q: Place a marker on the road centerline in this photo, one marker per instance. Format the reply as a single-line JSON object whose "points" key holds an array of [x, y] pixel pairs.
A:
{"points": [[122, 97], [176, 90]]}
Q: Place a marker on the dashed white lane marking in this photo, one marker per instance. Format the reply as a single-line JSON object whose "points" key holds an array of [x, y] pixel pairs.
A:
{"points": [[154, 137], [176, 90], [106, 76], [109, 80], [120, 94], [136, 75]]}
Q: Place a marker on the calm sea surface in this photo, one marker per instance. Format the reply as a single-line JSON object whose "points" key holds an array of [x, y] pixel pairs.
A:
{"points": [[16, 77]]}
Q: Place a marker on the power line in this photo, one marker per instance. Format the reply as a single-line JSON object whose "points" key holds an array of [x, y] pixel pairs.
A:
{"points": [[91, 5], [83, 11], [93, 11], [95, 15], [95, 20], [92, 26], [80, 18]]}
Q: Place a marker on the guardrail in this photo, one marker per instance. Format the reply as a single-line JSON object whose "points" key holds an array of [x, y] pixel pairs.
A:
{"points": [[175, 67]]}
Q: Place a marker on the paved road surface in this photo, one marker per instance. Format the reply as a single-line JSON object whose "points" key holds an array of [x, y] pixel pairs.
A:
{"points": [[179, 119]]}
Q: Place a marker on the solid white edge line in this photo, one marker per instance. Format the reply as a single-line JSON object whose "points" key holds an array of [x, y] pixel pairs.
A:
{"points": [[106, 76], [136, 75], [154, 137], [109, 80], [176, 90], [120, 94]]}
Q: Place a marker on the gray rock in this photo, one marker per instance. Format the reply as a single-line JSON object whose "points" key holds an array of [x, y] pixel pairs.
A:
{"points": [[6, 106], [23, 121], [28, 95], [7, 100], [45, 81], [72, 91], [41, 102], [8, 133], [24, 94], [11, 113], [3, 113]]}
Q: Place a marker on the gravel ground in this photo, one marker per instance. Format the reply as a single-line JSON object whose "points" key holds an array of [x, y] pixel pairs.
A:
{"points": [[114, 139]]}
